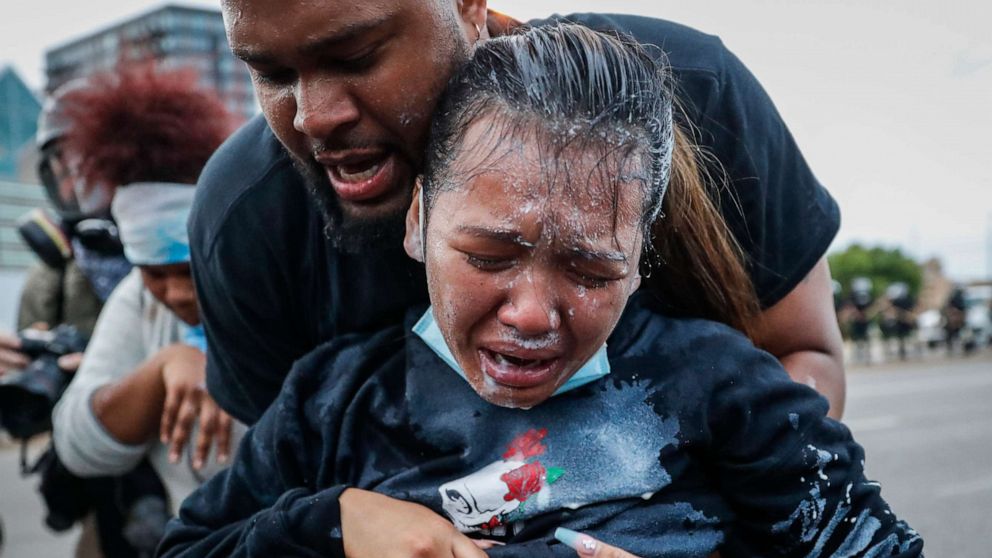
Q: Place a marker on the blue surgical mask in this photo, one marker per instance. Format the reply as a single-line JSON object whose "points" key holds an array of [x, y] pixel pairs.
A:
{"points": [[195, 337], [426, 328]]}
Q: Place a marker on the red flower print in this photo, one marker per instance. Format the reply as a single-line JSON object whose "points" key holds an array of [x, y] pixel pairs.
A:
{"points": [[524, 481], [527, 444], [492, 523]]}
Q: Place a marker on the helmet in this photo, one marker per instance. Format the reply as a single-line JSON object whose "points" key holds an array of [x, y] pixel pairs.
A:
{"points": [[53, 122], [69, 197]]}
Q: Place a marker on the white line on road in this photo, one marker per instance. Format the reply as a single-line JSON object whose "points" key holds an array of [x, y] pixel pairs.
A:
{"points": [[960, 489], [869, 424], [921, 385]]}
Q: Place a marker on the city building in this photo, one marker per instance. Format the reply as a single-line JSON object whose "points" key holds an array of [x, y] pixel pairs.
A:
{"points": [[173, 36], [19, 110]]}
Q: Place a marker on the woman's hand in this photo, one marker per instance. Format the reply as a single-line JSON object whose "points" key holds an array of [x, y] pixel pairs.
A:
{"points": [[584, 545], [413, 530], [186, 400]]}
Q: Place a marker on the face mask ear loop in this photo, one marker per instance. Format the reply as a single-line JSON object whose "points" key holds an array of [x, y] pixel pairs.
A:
{"points": [[423, 228]]}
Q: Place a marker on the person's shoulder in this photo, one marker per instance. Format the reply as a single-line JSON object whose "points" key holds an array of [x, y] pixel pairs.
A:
{"points": [[342, 364], [690, 348], [687, 49], [248, 179]]}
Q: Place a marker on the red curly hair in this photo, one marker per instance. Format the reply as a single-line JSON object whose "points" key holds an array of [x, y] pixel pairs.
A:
{"points": [[140, 123]]}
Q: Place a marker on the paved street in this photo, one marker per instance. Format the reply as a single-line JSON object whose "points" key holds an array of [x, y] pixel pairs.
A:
{"points": [[927, 428], [927, 431]]}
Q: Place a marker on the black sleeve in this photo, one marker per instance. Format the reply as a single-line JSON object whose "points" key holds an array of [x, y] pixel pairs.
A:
{"points": [[794, 478], [247, 232], [781, 215], [267, 503]]}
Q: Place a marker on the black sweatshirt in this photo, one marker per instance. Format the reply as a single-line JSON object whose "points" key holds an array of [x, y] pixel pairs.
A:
{"points": [[695, 442]]}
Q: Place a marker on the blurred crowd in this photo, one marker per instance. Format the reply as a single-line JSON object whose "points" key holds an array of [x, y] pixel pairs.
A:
{"points": [[132, 428], [895, 325]]}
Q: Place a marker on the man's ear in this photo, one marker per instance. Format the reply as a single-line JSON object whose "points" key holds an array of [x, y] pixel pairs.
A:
{"points": [[413, 241], [473, 14]]}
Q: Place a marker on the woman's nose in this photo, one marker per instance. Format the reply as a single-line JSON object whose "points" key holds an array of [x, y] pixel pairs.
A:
{"points": [[531, 308]]}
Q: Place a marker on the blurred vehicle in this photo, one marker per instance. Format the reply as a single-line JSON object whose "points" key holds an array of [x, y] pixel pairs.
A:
{"points": [[978, 317], [930, 329]]}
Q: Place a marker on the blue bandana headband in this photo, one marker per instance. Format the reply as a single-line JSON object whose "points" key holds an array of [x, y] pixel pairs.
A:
{"points": [[151, 218], [426, 328]]}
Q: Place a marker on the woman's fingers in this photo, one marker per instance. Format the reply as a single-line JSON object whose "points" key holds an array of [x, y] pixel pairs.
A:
{"points": [[464, 547], [224, 424], [584, 545], [486, 544], [209, 422], [169, 409], [185, 418]]}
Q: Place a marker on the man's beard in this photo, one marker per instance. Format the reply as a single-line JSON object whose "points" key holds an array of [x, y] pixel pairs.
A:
{"points": [[347, 233], [353, 234]]}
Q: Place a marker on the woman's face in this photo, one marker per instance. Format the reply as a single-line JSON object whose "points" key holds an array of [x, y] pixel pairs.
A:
{"points": [[528, 275], [172, 285]]}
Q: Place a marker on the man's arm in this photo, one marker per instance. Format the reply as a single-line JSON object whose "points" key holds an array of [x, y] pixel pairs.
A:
{"points": [[802, 331]]}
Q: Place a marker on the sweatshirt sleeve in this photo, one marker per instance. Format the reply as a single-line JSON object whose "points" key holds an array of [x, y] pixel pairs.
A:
{"points": [[116, 349], [794, 478], [269, 502]]}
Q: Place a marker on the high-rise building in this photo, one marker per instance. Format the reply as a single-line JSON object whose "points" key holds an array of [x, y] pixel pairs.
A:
{"points": [[19, 110], [173, 36]]}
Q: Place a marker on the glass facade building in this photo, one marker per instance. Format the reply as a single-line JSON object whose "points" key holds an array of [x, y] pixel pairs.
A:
{"points": [[19, 110], [175, 37]]}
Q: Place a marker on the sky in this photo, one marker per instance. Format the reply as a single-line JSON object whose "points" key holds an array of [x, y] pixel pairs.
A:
{"points": [[889, 100]]}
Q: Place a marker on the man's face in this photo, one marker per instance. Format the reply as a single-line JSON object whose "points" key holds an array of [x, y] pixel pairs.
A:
{"points": [[348, 88]]}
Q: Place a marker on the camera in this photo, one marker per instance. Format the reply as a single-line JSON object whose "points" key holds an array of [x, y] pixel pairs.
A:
{"points": [[28, 397]]}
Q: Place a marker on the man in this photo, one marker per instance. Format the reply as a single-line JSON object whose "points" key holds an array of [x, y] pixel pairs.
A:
{"points": [[295, 235]]}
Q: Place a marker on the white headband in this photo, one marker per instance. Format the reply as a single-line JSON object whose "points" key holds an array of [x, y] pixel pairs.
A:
{"points": [[151, 217]]}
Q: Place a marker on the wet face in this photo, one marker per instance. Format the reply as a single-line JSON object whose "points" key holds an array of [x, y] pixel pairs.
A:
{"points": [[172, 285], [528, 267], [348, 88]]}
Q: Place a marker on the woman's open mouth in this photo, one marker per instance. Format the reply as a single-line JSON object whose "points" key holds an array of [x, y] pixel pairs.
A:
{"points": [[517, 371]]}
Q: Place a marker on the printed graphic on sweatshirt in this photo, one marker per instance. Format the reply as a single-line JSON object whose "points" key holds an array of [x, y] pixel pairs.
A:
{"points": [[565, 456], [497, 494]]}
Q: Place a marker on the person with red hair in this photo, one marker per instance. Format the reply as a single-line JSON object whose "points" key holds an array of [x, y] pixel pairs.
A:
{"points": [[143, 134]]}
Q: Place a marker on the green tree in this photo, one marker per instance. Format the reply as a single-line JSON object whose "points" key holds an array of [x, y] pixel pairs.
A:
{"points": [[883, 266]]}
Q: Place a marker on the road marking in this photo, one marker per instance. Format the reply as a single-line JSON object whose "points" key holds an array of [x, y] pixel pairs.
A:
{"points": [[961, 489], [869, 424], [920, 385]]}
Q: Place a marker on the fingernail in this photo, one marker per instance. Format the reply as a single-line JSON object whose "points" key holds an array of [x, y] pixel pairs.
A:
{"points": [[222, 459], [173, 458], [581, 543], [198, 464]]}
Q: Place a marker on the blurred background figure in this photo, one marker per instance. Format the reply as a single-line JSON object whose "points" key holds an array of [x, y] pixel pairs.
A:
{"points": [[897, 319], [144, 136], [81, 261], [854, 316]]}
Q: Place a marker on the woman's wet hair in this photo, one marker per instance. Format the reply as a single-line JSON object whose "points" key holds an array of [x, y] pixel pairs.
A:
{"points": [[569, 87], [573, 91]]}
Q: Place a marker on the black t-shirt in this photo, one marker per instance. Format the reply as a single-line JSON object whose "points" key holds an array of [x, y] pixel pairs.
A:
{"points": [[271, 287], [695, 442]]}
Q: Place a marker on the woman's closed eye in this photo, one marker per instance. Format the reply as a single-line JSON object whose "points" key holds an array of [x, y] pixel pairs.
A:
{"points": [[485, 262], [595, 276]]}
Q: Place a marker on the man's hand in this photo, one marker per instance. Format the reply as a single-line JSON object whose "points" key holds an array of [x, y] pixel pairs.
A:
{"points": [[413, 530], [11, 357], [186, 400]]}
